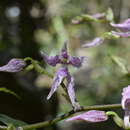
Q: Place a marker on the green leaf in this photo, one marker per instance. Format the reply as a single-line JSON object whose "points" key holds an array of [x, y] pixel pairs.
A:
{"points": [[120, 62], [9, 92], [11, 122]]}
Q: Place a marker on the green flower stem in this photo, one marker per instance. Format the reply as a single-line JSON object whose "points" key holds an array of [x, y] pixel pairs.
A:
{"points": [[70, 113], [66, 115]]}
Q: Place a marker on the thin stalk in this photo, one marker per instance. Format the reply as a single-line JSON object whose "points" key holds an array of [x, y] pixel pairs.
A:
{"points": [[68, 114]]}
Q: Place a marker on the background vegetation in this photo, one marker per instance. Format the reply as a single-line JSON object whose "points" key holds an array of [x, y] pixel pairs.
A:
{"points": [[30, 26]]}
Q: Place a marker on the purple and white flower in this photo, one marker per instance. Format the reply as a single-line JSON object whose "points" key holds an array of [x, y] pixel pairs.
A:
{"points": [[62, 73], [92, 116], [14, 65], [125, 102], [97, 41], [124, 27]]}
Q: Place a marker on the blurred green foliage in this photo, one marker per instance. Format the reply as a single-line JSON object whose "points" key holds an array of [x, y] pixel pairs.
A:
{"points": [[26, 28]]}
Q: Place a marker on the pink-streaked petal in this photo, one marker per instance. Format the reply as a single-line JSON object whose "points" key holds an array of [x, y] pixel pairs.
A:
{"points": [[51, 60], [92, 116], [121, 34], [59, 76], [76, 61], [14, 65], [126, 98], [124, 26], [71, 92], [97, 41]]}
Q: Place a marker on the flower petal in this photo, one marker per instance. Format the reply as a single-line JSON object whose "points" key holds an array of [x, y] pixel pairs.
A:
{"points": [[121, 34], [125, 102], [126, 98], [59, 76], [51, 60], [97, 41], [90, 116], [99, 15], [64, 53], [124, 26], [76, 61], [71, 92], [14, 65]]}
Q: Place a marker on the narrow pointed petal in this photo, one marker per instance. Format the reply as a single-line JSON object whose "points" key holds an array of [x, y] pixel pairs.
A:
{"points": [[124, 26], [97, 41], [92, 116], [51, 60], [71, 92], [76, 61], [64, 53], [59, 76], [14, 65], [121, 34]]}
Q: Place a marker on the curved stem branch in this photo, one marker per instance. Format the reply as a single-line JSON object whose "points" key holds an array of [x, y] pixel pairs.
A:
{"points": [[66, 115]]}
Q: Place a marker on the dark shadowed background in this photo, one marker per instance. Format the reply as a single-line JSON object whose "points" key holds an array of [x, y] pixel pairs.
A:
{"points": [[30, 26]]}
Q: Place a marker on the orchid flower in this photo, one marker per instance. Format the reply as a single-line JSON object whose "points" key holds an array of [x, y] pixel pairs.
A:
{"points": [[124, 27], [126, 106], [92, 116], [14, 65], [62, 73]]}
